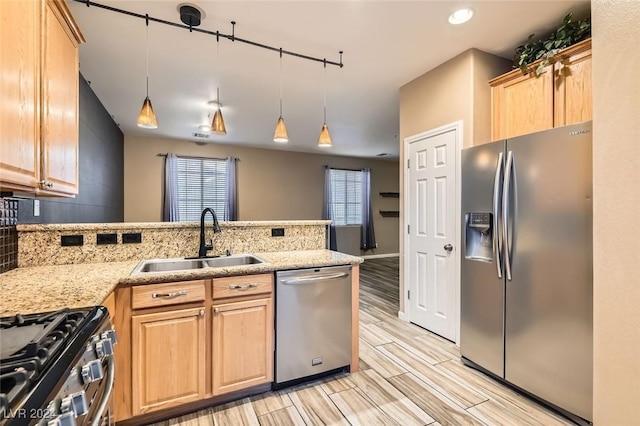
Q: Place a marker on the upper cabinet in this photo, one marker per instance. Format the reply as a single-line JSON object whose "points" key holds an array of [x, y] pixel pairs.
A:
{"points": [[561, 95], [39, 97]]}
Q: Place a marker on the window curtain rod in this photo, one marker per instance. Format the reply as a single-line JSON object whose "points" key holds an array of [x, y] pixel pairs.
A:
{"points": [[231, 36], [342, 168], [194, 157]]}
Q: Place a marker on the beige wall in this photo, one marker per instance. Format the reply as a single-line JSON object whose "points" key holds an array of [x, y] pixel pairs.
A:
{"points": [[272, 185], [616, 195], [455, 90]]}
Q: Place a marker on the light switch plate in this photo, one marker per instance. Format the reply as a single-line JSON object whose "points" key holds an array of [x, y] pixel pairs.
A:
{"points": [[36, 207]]}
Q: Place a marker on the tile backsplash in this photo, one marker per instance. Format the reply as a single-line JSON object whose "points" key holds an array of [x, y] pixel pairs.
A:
{"points": [[8, 234]]}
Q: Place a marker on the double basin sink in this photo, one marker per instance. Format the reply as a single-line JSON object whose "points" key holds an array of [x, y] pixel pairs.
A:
{"points": [[175, 265]]}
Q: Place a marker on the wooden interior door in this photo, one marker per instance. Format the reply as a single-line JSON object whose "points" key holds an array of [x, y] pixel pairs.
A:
{"points": [[242, 345], [168, 359], [20, 92]]}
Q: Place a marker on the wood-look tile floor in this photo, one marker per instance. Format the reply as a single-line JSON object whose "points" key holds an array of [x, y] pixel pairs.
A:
{"points": [[408, 377]]}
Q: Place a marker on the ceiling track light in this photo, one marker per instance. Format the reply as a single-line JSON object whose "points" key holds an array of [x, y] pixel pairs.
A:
{"points": [[281, 135], [147, 118]]}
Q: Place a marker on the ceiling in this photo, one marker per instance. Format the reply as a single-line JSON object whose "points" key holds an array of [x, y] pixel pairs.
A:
{"points": [[386, 44]]}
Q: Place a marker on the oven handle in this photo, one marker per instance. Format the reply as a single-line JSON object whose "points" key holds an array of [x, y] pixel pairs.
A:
{"points": [[104, 404]]}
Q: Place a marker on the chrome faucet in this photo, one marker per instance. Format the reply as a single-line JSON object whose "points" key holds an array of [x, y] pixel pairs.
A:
{"points": [[204, 247]]}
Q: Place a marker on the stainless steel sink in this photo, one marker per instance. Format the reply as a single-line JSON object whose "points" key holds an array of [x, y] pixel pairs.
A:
{"points": [[234, 260], [168, 265], [172, 265]]}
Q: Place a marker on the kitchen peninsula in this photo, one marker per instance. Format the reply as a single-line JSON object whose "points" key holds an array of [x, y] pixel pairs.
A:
{"points": [[193, 315]]}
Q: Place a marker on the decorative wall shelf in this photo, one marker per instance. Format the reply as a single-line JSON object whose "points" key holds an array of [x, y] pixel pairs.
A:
{"points": [[390, 194], [389, 213]]}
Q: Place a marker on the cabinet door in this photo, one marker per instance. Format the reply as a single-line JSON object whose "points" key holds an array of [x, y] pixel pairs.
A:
{"points": [[19, 92], [573, 97], [168, 359], [522, 104], [60, 104], [242, 345]]}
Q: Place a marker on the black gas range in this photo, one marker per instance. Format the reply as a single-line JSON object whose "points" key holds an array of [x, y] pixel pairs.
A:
{"points": [[56, 368]]}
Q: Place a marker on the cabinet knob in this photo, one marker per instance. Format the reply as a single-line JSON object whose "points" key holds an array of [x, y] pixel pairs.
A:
{"points": [[216, 310], [201, 312], [46, 184]]}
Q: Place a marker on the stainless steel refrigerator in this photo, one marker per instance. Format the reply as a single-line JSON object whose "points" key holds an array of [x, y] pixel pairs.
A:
{"points": [[526, 267]]}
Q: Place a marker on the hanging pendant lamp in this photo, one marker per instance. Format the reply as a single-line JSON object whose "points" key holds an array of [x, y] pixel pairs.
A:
{"points": [[217, 124], [324, 141], [147, 118], [280, 134]]}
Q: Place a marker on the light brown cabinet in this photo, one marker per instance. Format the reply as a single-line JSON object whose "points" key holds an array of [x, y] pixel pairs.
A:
{"points": [[39, 97], [561, 95], [186, 341], [242, 345], [168, 358]]}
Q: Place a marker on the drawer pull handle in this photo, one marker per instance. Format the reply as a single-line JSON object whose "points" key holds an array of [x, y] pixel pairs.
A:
{"points": [[242, 287], [169, 295]]}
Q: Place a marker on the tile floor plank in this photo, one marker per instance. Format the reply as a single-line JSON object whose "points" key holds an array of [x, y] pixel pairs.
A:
{"points": [[441, 408], [390, 400], [359, 410], [284, 417], [315, 407], [377, 361], [235, 413], [337, 383], [270, 401], [457, 391]]}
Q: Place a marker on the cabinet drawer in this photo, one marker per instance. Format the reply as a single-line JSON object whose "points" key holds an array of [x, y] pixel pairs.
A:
{"points": [[153, 295], [242, 286]]}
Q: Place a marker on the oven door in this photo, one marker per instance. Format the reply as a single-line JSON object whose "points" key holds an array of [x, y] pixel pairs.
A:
{"points": [[100, 407]]}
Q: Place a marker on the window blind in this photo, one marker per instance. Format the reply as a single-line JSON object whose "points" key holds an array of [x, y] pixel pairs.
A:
{"points": [[202, 183], [346, 194]]}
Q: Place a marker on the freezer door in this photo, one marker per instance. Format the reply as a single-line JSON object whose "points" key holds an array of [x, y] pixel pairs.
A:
{"points": [[482, 290], [549, 300]]}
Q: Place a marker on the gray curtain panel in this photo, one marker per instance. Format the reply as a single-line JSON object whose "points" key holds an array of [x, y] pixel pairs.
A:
{"points": [[231, 206], [170, 205], [327, 213], [367, 233]]}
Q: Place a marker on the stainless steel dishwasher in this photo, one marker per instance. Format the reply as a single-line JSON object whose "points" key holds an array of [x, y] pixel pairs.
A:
{"points": [[313, 322]]}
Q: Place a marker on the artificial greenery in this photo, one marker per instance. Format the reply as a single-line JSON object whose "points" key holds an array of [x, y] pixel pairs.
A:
{"points": [[567, 34]]}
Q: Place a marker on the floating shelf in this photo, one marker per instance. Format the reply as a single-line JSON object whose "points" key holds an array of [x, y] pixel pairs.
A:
{"points": [[390, 194], [390, 213]]}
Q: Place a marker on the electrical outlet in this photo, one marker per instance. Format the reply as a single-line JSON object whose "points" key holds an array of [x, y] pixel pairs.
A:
{"points": [[36, 207]]}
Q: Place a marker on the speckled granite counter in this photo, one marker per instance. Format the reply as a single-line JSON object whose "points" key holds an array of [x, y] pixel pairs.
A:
{"points": [[46, 288]]}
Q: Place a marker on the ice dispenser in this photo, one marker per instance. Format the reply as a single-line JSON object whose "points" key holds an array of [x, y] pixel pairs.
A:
{"points": [[479, 236]]}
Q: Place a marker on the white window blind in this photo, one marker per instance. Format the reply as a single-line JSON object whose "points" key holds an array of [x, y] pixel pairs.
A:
{"points": [[202, 183], [346, 194]]}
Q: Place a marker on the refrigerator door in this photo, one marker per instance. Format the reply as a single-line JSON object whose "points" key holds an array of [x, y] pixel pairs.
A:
{"points": [[482, 290], [549, 299]]}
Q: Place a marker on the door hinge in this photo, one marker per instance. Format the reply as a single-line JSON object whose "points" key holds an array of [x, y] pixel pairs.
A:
{"points": [[409, 294], [408, 229], [408, 163]]}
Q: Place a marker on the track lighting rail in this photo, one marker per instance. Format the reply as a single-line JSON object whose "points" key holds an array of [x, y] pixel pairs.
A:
{"points": [[231, 36]]}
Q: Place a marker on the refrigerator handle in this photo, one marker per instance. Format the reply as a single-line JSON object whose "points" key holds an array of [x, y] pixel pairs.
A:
{"points": [[505, 214], [497, 240]]}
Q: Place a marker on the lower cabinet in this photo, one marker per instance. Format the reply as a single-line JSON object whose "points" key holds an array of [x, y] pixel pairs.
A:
{"points": [[168, 359], [242, 345]]}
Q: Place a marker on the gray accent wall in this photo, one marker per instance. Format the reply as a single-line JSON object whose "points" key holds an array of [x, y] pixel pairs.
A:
{"points": [[101, 172]]}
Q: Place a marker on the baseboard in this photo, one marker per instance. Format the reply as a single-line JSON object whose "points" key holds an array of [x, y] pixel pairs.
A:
{"points": [[378, 256], [401, 316]]}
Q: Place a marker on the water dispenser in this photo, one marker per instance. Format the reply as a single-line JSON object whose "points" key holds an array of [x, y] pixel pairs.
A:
{"points": [[479, 236]]}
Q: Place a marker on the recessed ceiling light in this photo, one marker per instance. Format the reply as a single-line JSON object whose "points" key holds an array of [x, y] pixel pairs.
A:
{"points": [[460, 16]]}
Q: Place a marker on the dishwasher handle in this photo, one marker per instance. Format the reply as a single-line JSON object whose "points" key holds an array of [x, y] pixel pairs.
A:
{"points": [[313, 279]]}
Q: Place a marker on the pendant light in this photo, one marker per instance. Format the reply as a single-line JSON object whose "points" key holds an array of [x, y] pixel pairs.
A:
{"points": [[217, 124], [147, 118], [324, 141], [280, 134]]}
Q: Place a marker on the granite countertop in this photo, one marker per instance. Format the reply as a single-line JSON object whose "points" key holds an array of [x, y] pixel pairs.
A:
{"points": [[47, 288], [78, 227]]}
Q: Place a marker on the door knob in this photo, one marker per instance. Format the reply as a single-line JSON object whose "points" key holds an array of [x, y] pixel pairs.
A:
{"points": [[448, 247]]}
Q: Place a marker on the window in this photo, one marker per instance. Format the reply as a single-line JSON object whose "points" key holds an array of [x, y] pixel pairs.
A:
{"points": [[346, 197], [202, 182]]}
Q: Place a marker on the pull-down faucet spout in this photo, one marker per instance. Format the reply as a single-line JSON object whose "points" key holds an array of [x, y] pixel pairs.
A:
{"points": [[204, 247]]}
